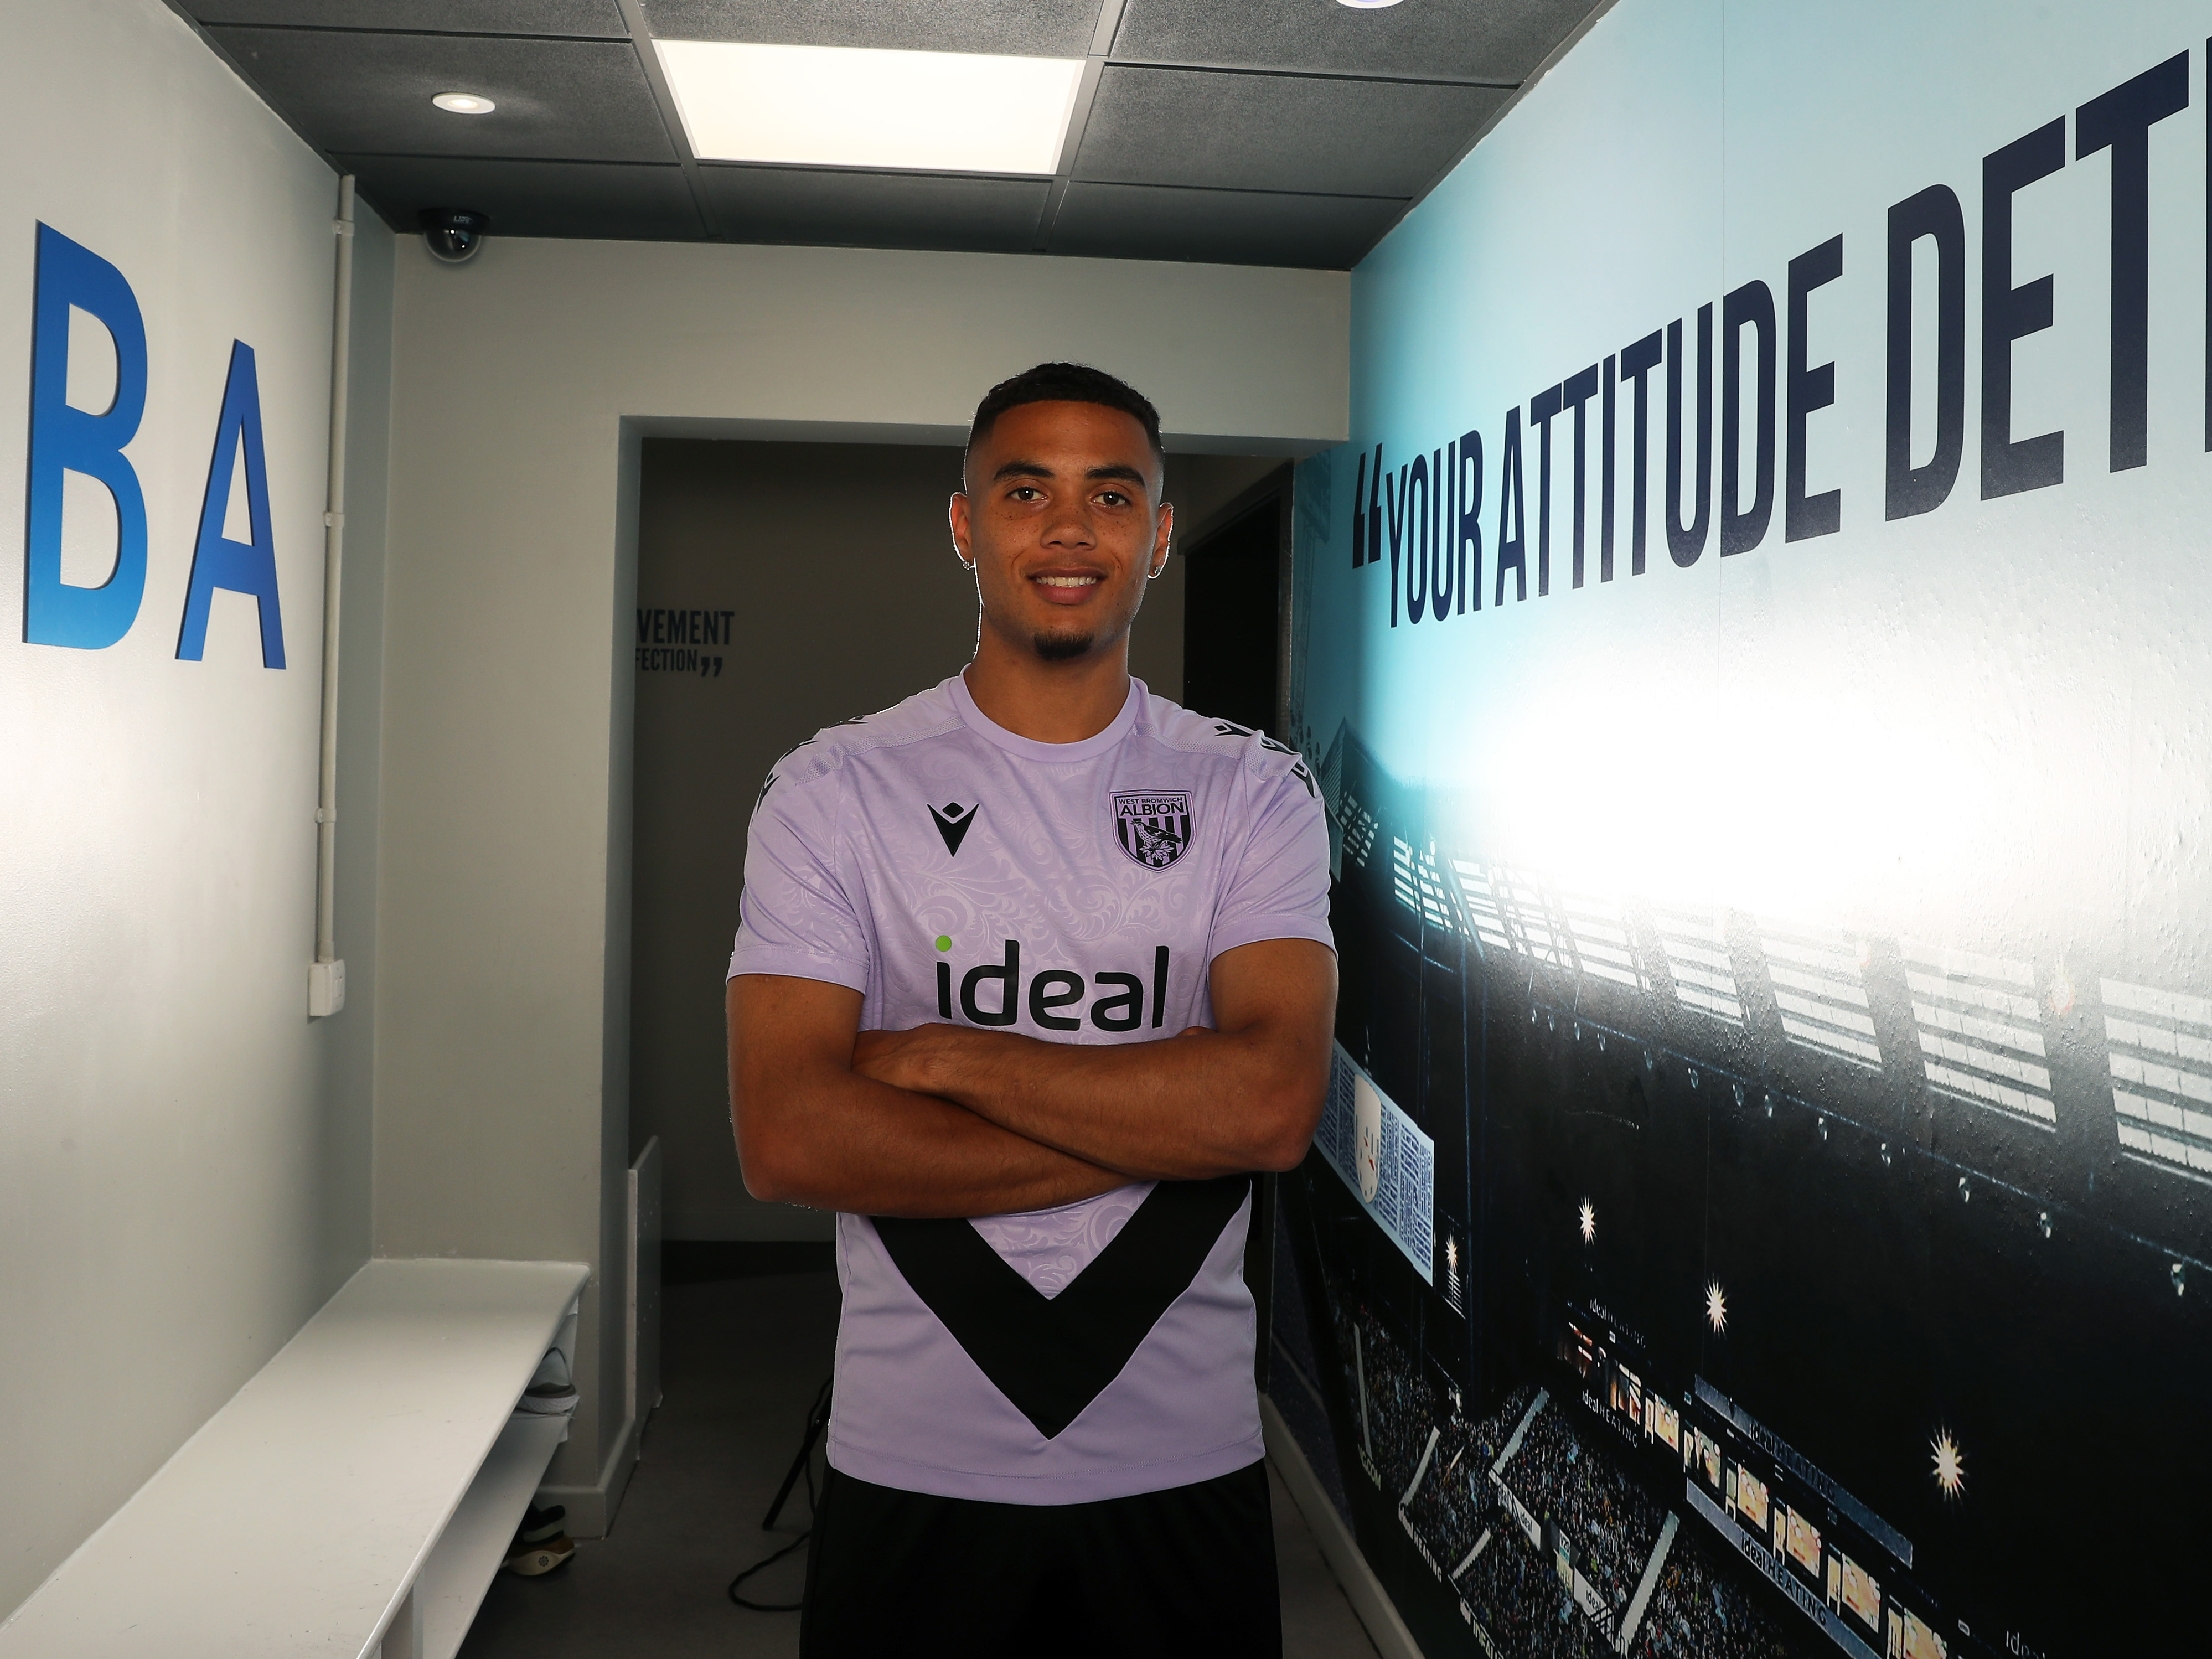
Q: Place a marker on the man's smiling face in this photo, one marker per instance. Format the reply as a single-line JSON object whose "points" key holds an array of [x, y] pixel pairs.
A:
{"points": [[1062, 521]]}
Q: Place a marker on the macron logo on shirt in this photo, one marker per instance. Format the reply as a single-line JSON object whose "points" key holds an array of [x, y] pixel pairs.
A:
{"points": [[953, 822]]}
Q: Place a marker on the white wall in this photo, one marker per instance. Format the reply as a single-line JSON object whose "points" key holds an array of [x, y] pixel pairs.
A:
{"points": [[503, 1052], [183, 1174]]}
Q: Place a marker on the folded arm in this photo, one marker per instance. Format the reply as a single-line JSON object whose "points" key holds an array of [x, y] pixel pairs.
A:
{"points": [[1245, 1094], [810, 1130]]}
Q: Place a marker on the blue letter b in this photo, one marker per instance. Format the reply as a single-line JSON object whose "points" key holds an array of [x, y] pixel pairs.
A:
{"points": [[68, 440]]}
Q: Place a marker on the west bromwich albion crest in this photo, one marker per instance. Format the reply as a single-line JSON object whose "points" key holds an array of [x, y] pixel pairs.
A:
{"points": [[1154, 827]]}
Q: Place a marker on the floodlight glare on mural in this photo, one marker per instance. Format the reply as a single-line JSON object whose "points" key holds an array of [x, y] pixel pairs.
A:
{"points": [[1765, 788]]}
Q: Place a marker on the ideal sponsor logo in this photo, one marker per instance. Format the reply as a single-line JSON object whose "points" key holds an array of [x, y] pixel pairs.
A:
{"points": [[993, 995]]}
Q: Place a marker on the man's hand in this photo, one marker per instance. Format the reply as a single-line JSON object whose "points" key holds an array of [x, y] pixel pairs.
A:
{"points": [[1243, 1096], [904, 1059]]}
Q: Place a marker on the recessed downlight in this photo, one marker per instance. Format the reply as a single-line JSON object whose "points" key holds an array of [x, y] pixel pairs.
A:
{"points": [[465, 103], [1367, 5]]}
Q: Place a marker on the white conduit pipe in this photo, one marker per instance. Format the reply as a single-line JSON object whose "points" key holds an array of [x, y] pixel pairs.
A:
{"points": [[326, 979]]}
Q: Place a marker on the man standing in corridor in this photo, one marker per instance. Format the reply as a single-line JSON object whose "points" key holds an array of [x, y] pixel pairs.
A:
{"points": [[1034, 969]]}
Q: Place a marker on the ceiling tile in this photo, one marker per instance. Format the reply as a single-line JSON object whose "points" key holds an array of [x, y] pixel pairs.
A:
{"points": [[586, 17], [1223, 226], [1278, 131], [1496, 40], [1036, 28], [570, 99], [876, 209], [534, 199]]}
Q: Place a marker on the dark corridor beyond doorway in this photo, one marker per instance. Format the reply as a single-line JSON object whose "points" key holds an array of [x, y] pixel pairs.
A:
{"points": [[1232, 609]]}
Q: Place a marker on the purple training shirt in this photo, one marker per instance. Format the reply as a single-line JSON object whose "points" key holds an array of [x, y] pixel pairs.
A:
{"points": [[948, 870]]}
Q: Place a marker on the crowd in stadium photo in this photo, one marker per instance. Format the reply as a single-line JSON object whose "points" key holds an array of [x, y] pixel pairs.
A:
{"points": [[1516, 1596], [1697, 1614], [1611, 1525], [1402, 1403], [1453, 1503]]}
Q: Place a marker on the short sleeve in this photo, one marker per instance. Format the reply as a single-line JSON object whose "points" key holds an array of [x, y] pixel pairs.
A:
{"points": [[1278, 886], [795, 918]]}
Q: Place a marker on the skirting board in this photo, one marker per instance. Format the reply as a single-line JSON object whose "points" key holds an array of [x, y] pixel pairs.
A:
{"points": [[1361, 1588], [592, 1509]]}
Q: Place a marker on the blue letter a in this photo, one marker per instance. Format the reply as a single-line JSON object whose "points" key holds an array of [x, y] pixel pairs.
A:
{"points": [[68, 440], [218, 562]]}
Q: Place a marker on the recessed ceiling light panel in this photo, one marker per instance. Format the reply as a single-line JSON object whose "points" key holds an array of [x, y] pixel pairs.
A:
{"points": [[858, 107], [465, 103]]}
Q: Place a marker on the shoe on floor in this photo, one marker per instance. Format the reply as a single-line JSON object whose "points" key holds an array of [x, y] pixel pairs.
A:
{"points": [[552, 1391], [538, 1526], [535, 1560]]}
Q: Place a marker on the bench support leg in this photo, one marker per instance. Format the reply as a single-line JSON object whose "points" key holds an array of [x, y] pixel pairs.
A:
{"points": [[403, 1637]]}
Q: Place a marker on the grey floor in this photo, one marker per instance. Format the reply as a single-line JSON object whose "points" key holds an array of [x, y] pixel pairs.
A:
{"points": [[741, 1358]]}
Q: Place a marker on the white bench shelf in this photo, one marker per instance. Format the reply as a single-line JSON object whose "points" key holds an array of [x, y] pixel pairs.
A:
{"points": [[357, 1495]]}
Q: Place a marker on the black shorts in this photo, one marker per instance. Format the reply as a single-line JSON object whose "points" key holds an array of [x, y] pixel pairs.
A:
{"points": [[1190, 1570]]}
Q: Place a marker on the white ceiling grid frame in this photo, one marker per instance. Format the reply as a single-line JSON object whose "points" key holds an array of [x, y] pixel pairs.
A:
{"points": [[1087, 97]]}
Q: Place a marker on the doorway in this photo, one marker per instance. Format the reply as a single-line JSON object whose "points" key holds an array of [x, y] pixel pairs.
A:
{"points": [[783, 587], [1233, 633]]}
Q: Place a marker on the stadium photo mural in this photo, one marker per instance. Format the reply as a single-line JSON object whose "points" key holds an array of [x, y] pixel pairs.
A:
{"points": [[1754, 647]]}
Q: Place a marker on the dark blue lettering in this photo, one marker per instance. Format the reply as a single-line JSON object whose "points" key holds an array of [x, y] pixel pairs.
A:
{"points": [[1605, 476], [1684, 542], [1541, 408], [1394, 503], [1512, 500], [1636, 363], [2120, 120], [1575, 393], [1907, 491], [1467, 477], [1750, 306], [1421, 549], [1804, 516], [2010, 314], [1441, 585], [1375, 511]]}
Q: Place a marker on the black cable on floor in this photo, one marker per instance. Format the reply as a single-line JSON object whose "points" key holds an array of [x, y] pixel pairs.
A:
{"points": [[798, 1542], [817, 1419]]}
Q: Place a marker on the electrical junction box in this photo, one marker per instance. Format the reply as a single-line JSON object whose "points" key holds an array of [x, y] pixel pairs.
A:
{"points": [[325, 989]]}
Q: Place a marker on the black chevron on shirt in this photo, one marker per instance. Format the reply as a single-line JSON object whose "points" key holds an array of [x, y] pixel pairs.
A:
{"points": [[1052, 1356]]}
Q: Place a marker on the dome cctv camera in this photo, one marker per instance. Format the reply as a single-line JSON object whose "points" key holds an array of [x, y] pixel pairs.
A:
{"points": [[453, 234]]}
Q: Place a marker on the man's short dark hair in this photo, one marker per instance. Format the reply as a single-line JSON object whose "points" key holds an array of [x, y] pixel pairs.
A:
{"points": [[1066, 383]]}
